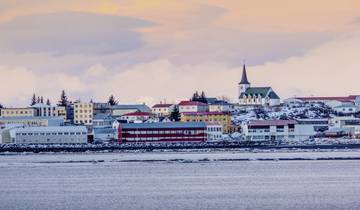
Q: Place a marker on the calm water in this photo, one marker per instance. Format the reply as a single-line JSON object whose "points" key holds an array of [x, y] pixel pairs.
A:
{"points": [[77, 181]]}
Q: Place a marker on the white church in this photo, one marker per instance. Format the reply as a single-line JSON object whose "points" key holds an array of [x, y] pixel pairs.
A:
{"points": [[256, 96]]}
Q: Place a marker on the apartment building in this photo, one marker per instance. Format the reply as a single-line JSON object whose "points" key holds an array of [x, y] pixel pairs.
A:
{"points": [[162, 110], [83, 113], [219, 117]]}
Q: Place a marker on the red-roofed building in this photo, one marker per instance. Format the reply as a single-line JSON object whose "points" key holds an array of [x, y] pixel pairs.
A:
{"points": [[192, 106], [162, 110], [136, 117]]}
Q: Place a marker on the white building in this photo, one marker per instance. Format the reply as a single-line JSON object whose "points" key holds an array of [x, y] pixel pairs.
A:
{"points": [[105, 135], [50, 135], [291, 130], [221, 106], [162, 110], [192, 106], [121, 109], [346, 109], [18, 112], [136, 117], [83, 113], [348, 123], [269, 130], [214, 131], [33, 121], [44, 110], [256, 96]]}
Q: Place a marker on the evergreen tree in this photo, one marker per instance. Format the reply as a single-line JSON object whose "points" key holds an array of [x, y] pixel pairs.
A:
{"points": [[41, 99], [195, 96], [1, 106], [48, 102], [63, 99], [175, 114], [112, 100], [33, 100], [203, 98], [38, 100]]}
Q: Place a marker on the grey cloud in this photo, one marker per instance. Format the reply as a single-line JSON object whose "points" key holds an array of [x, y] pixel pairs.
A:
{"points": [[71, 33]]}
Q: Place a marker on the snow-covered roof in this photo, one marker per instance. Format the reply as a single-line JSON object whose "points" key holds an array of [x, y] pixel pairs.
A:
{"points": [[52, 129]]}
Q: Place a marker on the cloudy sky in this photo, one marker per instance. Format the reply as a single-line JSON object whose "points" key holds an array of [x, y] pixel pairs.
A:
{"points": [[152, 50]]}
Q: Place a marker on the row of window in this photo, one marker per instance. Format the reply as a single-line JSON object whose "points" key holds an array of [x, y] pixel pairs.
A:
{"points": [[159, 138], [85, 111], [189, 132], [83, 116], [83, 121], [16, 112], [50, 133], [214, 129]]}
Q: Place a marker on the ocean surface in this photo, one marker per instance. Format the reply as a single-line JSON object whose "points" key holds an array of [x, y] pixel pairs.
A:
{"points": [[181, 180]]}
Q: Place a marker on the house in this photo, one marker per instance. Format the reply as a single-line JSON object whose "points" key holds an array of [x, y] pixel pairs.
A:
{"points": [[44, 110], [101, 108], [102, 120], [50, 135], [18, 112], [162, 110], [83, 113], [33, 121], [192, 106], [136, 117], [275, 130], [119, 110], [256, 96], [220, 117], [349, 123], [214, 131], [220, 106], [162, 132], [269, 130], [346, 109], [105, 134]]}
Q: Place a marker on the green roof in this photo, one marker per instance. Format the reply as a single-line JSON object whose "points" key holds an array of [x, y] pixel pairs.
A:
{"points": [[262, 91]]}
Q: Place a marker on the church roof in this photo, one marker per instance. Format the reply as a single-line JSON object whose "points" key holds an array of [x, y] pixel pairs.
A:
{"points": [[244, 80], [263, 91]]}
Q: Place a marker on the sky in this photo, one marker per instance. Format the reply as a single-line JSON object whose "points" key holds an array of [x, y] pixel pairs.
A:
{"points": [[147, 51]]}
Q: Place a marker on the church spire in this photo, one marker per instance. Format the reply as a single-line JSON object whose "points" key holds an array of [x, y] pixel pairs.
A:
{"points": [[244, 80]]}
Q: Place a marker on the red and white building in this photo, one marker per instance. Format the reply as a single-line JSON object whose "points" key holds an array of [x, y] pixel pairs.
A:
{"points": [[192, 106], [135, 117], [162, 132]]}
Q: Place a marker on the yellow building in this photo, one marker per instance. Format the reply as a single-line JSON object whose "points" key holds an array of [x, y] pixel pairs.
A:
{"points": [[221, 117], [83, 113], [17, 112]]}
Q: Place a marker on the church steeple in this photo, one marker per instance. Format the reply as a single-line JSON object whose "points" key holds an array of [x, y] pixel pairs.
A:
{"points": [[244, 80]]}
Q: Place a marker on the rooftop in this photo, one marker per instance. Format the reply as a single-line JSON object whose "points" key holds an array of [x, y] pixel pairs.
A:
{"points": [[52, 129], [138, 114], [162, 105], [271, 122], [191, 103], [204, 113]]}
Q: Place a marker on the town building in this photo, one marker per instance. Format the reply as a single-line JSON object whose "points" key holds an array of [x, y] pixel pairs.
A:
{"points": [[162, 132], [50, 135], [308, 128], [102, 120], [33, 121], [44, 110], [339, 100], [220, 106], [192, 106], [348, 123], [136, 117], [105, 135], [102, 108], [18, 112], [219, 117], [214, 131], [256, 96], [119, 110], [162, 110], [269, 130], [83, 113], [346, 109]]}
